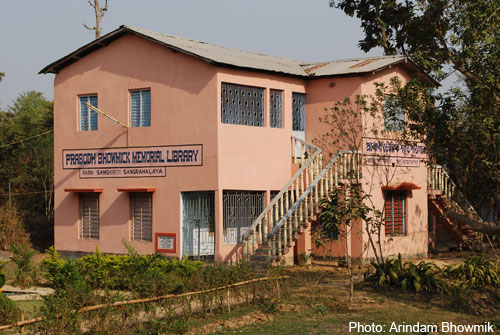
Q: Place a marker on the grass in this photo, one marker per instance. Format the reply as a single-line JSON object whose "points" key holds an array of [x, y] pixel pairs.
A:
{"points": [[316, 302], [31, 308]]}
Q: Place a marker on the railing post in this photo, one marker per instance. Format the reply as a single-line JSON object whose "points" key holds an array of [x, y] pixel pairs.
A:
{"points": [[280, 244], [265, 222]]}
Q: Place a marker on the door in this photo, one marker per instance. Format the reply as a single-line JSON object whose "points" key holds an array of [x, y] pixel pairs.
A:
{"points": [[299, 118], [198, 224]]}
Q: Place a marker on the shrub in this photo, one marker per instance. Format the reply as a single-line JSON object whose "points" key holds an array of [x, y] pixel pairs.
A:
{"points": [[12, 231], [406, 276], [8, 310], [2, 275], [475, 272], [25, 275]]}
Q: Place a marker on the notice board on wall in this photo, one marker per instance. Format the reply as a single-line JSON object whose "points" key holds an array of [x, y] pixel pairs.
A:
{"points": [[165, 242]]}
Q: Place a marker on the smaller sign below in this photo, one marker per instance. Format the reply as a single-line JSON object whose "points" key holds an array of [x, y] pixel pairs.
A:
{"points": [[165, 242], [123, 172], [391, 161]]}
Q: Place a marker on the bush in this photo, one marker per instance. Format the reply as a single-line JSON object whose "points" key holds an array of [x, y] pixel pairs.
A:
{"points": [[8, 310], [475, 272], [406, 276], [12, 231], [2, 275], [26, 272]]}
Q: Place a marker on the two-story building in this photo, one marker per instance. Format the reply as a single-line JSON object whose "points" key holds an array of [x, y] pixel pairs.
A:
{"points": [[178, 146]]}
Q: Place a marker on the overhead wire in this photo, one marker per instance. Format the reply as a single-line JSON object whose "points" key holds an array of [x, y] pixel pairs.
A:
{"points": [[27, 138]]}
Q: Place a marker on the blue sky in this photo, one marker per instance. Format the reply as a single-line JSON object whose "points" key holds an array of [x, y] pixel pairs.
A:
{"points": [[33, 33]]}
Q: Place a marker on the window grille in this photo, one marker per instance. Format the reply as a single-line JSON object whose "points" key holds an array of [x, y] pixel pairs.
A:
{"points": [[88, 117], [198, 216], [242, 105], [395, 213], [394, 115], [89, 216], [142, 216], [240, 209], [140, 108], [275, 112], [299, 111]]}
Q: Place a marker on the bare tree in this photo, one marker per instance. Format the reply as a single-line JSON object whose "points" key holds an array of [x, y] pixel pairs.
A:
{"points": [[99, 13]]}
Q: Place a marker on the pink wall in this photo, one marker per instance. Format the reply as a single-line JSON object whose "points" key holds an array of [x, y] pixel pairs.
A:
{"points": [[183, 111], [321, 95], [254, 158], [186, 109], [415, 241]]}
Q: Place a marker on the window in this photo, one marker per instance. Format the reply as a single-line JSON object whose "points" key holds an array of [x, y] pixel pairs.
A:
{"points": [[275, 112], [88, 117], [142, 216], [394, 116], [240, 209], [395, 212], [242, 105], [140, 108], [89, 216], [299, 111]]}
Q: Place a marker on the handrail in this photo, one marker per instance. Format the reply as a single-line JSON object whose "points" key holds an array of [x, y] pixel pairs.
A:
{"points": [[273, 202], [443, 169], [314, 183]]}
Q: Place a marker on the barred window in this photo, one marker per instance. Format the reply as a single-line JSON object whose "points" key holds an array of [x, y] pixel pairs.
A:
{"points": [[88, 117], [299, 111], [394, 115], [395, 212], [242, 105], [142, 216], [140, 108], [240, 209], [89, 216], [275, 112]]}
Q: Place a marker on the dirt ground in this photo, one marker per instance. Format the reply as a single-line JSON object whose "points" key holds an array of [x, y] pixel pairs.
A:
{"points": [[317, 302]]}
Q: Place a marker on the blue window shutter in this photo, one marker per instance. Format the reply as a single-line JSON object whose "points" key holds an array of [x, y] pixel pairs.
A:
{"points": [[88, 117], [93, 114], [135, 109], [84, 122], [140, 108], [146, 109]]}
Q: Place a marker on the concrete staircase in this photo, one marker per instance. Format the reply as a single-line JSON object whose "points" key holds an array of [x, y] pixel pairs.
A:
{"points": [[443, 195], [291, 211]]}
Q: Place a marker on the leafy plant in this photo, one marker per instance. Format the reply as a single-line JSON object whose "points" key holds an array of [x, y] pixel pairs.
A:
{"points": [[26, 271], [475, 272], [406, 276], [8, 310]]}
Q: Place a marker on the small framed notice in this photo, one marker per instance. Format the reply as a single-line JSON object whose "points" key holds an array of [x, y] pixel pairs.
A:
{"points": [[165, 242]]}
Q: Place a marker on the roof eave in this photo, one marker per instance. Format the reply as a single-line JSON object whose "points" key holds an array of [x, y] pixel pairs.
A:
{"points": [[81, 52]]}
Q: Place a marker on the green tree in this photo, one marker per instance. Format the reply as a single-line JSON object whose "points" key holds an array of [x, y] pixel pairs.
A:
{"points": [[1, 76], [26, 151], [462, 125]]}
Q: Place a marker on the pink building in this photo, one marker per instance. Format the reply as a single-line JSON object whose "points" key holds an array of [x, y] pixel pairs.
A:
{"points": [[191, 149]]}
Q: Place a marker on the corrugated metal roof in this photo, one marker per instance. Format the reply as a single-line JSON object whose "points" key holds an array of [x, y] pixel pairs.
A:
{"points": [[352, 66], [227, 56], [237, 58]]}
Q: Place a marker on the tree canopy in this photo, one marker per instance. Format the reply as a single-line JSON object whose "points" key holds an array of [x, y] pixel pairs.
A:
{"points": [[461, 126], [27, 156]]}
